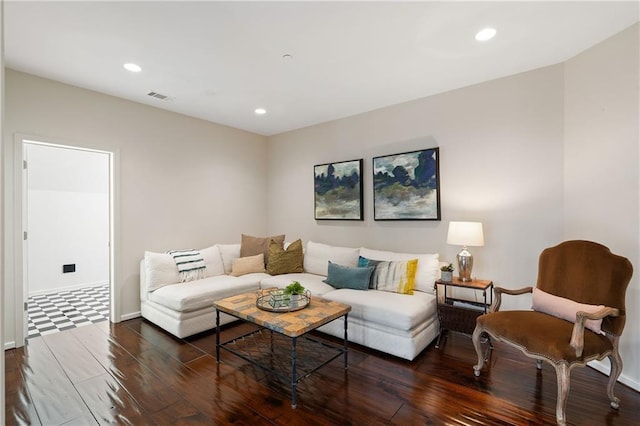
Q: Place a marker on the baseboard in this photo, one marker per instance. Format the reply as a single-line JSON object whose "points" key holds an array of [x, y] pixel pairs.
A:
{"points": [[132, 315], [9, 345], [67, 288], [604, 368]]}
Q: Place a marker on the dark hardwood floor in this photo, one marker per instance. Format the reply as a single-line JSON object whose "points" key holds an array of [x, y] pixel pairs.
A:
{"points": [[134, 373]]}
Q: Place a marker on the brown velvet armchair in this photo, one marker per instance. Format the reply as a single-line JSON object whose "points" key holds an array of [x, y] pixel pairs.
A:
{"points": [[584, 272]]}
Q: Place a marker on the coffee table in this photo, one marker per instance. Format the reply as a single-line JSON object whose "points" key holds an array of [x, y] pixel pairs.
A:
{"points": [[292, 325]]}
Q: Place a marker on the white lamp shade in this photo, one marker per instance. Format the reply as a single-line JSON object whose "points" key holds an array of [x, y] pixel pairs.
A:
{"points": [[465, 234]]}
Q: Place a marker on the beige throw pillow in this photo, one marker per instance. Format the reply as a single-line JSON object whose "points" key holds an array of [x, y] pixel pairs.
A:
{"points": [[283, 261], [247, 265], [250, 246]]}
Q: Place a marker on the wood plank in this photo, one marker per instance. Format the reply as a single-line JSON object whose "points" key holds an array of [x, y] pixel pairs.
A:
{"points": [[19, 407], [150, 392], [110, 403], [74, 358], [54, 397], [148, 382]]}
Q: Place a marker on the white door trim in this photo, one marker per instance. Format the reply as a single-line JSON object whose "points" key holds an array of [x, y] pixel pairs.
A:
{"points": [[20, 246]]}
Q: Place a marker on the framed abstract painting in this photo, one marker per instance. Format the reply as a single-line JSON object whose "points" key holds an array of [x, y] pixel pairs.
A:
{"points": [[406, 186], [338, 191]]}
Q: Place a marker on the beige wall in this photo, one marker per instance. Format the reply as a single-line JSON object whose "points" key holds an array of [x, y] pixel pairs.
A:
{"points": [[182, 182], [500, 163], [538, 157], [602, 184]]}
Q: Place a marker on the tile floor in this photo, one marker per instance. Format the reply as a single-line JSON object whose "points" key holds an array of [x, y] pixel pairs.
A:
{"points": [[50, 313]]}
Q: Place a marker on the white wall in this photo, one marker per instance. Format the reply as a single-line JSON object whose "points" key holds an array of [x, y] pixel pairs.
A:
{"points": [[602, 183], [68, 218], [2, 249], [503, 145], [180, 181], [500, 163]]}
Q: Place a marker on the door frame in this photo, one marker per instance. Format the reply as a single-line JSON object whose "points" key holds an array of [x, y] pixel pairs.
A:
{"points": [[20, 214]]}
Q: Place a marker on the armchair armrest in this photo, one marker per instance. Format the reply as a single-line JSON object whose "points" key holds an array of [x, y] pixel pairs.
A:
{"points": [[497, 292], [577, 335]]}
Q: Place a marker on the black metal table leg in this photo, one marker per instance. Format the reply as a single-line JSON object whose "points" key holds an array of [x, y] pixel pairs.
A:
{"points": [[346, 346], [294, 380], [217, 336]]}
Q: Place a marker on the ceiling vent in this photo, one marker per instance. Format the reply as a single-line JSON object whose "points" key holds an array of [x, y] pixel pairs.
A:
{"points": [[157, 95]]}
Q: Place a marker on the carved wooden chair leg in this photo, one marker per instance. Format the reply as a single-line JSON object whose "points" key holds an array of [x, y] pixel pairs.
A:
{"points": [[616, 369], [539, 364], [477, 344], [562, 376]]}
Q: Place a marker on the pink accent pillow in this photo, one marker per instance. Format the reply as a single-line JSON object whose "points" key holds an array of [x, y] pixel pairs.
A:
{"points": [[565, 309]]}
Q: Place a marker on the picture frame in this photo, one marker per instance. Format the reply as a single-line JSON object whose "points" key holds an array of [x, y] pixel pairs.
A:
{"points": [[337, 189], [406, 186]]}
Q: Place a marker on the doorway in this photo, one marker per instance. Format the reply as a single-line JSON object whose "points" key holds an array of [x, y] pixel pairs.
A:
{"points": [[67, 222]]}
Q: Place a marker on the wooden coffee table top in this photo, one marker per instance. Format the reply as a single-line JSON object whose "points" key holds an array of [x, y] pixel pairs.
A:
{"points": [[292, 324]]}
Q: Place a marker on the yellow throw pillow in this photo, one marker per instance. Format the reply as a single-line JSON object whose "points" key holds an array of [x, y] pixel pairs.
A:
{"points": [[395, 276], [247, 265], [283, 261]]}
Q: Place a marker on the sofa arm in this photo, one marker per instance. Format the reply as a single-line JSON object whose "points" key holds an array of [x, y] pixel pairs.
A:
{"points": [[143, 281]]}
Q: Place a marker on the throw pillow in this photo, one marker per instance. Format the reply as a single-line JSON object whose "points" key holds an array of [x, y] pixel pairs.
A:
{"points": [[355, 278], [395, 276], [250, 246], [160, 270], [565, 309], [363, 262], [247, 265], [283, 261], [428, 265]]}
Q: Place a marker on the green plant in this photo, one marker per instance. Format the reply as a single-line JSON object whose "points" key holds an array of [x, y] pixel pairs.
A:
{"points": [[294, 288], [447, 268]]}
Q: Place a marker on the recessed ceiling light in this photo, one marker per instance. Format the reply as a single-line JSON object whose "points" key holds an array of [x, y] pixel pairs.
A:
{"points": [[260, 111], [132, 67], [287, 57], [486, 34]]}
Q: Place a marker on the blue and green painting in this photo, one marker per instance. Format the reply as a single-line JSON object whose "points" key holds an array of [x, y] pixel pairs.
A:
{"points": [[406, 186], [338, 190]]}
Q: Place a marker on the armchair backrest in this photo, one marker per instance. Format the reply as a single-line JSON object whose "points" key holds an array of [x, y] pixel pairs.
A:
{"points": [[587, 272]]}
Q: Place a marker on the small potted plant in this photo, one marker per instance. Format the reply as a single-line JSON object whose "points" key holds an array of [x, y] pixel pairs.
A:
{"points": [[294, 290], [446, 273]]}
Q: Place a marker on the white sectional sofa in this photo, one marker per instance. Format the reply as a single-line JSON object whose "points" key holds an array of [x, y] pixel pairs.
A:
{"points": [[399, 324]]}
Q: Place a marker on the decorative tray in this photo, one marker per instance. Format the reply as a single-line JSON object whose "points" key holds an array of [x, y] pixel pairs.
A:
{"points": [[275, 300]]}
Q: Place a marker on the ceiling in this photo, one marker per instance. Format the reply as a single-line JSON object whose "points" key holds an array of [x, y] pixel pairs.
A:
{"points": [[219, 61]]}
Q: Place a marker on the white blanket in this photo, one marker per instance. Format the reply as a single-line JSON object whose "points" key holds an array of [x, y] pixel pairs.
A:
{"points": [[190, 264]]}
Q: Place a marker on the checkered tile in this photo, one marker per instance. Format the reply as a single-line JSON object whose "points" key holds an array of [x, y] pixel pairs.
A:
{"points": [[50, 313]]}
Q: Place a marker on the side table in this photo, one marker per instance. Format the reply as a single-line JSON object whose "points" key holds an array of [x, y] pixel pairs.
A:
{"points": [[460, 314]]}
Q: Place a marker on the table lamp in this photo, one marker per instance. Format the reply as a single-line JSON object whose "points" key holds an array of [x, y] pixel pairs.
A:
{"points": [[465, 234]]}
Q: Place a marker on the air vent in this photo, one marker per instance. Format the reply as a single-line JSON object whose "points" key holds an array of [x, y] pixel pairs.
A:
{"points": [[157, 95]]}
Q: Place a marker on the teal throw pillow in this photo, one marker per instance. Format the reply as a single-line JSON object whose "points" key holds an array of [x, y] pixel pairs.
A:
{"points": [[363, 262], [340, 276]]}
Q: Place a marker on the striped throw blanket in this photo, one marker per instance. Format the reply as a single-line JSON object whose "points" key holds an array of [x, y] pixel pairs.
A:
{"points": [[190, 264]]}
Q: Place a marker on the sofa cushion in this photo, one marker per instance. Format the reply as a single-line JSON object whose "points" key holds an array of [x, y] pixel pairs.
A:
{"points": [[355, 278], [213, 260], [428, 265], [228, 252], [313, 283], [161, 269], [318, 255], [247, 265], [250, 245], [285, 261], [399, 311], [198, 294]]}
